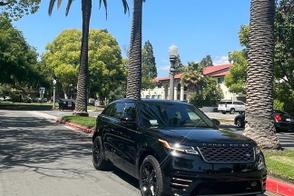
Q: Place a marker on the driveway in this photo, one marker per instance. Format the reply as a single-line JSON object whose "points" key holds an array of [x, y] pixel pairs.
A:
{"points": [[40, 157]]}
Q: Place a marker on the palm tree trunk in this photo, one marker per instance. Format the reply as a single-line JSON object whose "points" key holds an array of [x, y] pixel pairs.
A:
{"points": [[83, 78], [259, 110], [135, 61]]}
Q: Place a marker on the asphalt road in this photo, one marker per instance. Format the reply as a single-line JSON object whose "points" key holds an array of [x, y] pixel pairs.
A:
{"points": [[40, 157]]}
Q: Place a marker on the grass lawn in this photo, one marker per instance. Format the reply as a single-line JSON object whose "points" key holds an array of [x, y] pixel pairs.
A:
{"points": [[280, 164], [89, 122]]}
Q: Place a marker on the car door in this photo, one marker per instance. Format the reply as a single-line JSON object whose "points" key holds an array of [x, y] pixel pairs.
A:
{"points": [[112, 130], [129, 137]]}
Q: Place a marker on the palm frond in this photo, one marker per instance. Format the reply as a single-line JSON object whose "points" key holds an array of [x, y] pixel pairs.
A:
{"points": [[59, 3], [126, 6], [51, 5], [69, 2], [104, 2]]}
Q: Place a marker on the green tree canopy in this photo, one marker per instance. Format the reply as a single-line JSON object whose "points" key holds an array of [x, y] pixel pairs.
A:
{"points": [[206, 90], [106, 70], [236, 79], [283, 59], [16, 9], [149, 71], [17, 58], [206, 61]]}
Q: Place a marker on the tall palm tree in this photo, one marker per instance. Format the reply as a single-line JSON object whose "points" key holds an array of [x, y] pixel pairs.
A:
{"points": [[259, 110], [83, 78], [135, 53]]}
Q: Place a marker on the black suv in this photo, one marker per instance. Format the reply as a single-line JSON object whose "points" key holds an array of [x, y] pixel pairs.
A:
{"points": [[175, 149]]}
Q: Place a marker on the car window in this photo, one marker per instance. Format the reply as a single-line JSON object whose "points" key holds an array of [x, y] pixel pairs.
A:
{"points": [[115, 110], [130, 111], [118, 110], [172, 115], [109, 111]]}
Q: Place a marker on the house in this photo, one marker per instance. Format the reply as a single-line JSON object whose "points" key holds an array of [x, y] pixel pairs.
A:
{"points": [[161, 91]]}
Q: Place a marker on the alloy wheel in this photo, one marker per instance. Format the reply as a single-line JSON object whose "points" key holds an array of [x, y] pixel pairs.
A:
{"points": [[148, 178]]}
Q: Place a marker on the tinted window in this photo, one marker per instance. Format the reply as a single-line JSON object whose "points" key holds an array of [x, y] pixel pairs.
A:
{"points": [[109, 111], [130, 111], [114, 110], [172, 115], [119, 110]]}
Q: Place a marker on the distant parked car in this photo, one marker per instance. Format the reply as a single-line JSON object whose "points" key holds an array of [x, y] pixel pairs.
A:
{"points": [[283, 121], [66, 104], [231, 106]]}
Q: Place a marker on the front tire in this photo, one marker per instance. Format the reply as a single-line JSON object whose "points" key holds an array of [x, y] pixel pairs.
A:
{"points": [[151, 179], [239, 123], [99, 161], [232, 111]]}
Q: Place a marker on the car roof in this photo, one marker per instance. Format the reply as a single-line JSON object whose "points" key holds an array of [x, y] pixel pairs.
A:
{"points": [[151, 101]]}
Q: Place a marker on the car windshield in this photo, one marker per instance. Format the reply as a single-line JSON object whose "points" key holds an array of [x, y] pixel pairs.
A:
{"points": [[162, 115]]}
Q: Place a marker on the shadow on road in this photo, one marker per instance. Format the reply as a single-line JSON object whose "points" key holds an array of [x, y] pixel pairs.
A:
{"points": [[29, 140]]}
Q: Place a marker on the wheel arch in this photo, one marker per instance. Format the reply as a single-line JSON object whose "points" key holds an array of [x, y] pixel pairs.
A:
{"points": [[142, 155]]}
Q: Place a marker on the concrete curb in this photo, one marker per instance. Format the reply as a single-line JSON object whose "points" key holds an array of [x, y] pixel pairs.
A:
{"points": [[76, 126], [279, 187], [272, 184]]}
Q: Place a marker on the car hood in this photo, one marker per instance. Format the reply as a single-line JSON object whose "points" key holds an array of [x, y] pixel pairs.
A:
{"points": [[194, 136]]}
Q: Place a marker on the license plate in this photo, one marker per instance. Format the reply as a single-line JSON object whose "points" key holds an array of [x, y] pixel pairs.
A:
{"points": [[69, 104]]}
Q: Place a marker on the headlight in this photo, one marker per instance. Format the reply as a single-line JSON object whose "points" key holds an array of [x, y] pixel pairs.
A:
{"points": [[175, 148], [260, 159]]}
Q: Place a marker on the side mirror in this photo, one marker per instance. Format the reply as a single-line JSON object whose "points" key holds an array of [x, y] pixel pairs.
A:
{"points": [[128, 121], [216, 122]]}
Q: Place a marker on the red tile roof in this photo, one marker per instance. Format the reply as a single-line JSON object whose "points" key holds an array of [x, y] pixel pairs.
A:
{"points": [[177, 76], [217, 70], [214, 71]]}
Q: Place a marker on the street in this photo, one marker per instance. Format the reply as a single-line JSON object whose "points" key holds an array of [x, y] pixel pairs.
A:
{"points": [[40, 157]]}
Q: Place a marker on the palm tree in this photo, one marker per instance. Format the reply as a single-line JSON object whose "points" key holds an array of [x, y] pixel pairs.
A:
{"points": [[135, 53], [83, 78], [259, 110]]}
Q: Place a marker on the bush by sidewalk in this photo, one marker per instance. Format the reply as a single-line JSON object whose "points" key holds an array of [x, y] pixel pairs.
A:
{"points": [[25, 106], [280, 164]]}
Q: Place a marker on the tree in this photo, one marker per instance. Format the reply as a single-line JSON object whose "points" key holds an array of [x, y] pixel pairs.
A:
{"points": [[206, 61], [260, 125], [16, 9], [283, 59], [284, 54], [135, 55], [106, 71], [17, 57], [149, 71], [82, 87], [236, 79], [206, 89]]}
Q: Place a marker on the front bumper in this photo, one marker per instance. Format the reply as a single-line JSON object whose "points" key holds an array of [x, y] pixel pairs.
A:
{"points": [[190, 175]]}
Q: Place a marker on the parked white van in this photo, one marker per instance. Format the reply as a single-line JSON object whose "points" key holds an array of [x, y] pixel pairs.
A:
{"points": [[231, 106]]}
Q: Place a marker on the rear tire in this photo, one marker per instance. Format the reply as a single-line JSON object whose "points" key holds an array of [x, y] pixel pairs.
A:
{"points": [[99, 161], [150, 177], [232, 111]]}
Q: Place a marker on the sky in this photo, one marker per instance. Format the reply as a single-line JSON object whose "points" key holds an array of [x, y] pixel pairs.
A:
{"points": [[196, 27]]}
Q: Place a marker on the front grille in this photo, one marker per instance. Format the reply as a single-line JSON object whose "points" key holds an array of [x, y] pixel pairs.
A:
{"points": [[220, 154]]}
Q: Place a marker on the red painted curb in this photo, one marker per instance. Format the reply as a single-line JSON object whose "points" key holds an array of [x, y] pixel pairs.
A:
{"points": [[279, 187], [80, 127]]}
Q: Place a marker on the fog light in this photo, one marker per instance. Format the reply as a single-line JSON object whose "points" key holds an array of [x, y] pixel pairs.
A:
{"points": [[253, 184]]}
